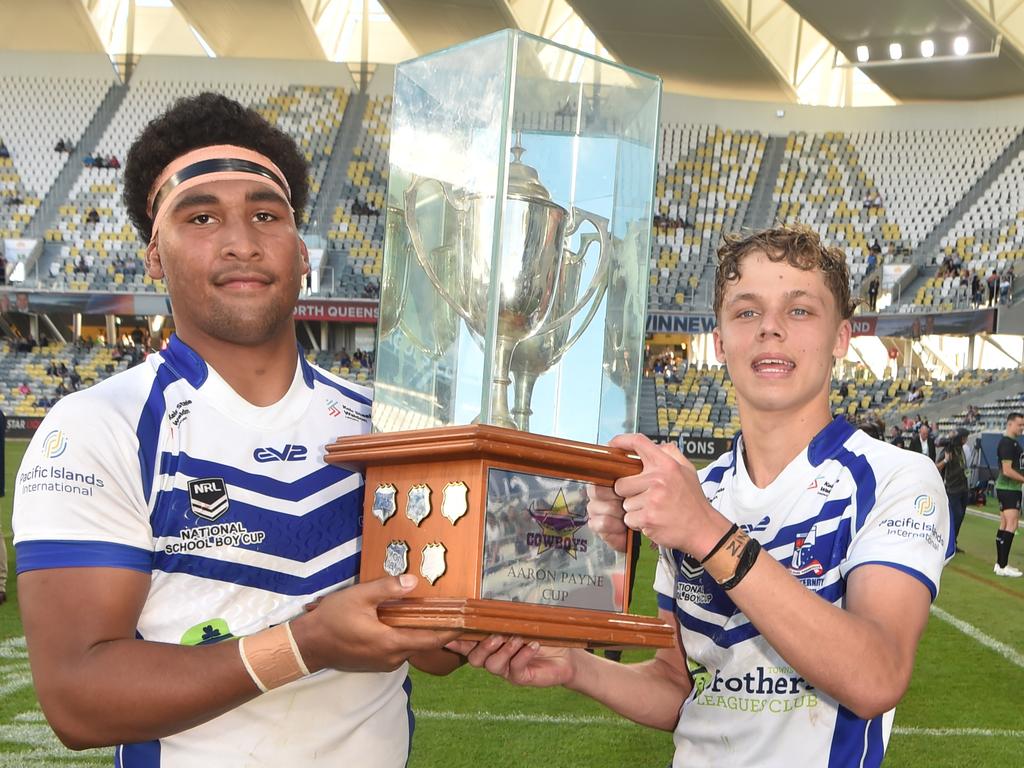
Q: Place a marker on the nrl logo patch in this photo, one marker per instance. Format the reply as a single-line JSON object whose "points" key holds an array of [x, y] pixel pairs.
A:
{"points": [[208, 497], [690, 568]]}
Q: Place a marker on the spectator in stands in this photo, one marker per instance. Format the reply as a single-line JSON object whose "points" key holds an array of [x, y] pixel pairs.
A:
{"points": [[61, 146], [873, 294], [81, 266], [230, 378], [977, 296], [3, 270], [744, 617], [896, 437], [92, 217], [993, 286], [1008, 492], [1006, 287], [15, 199], [51, 369], [923, 442], [75, 378], [89, 161], [24, 388], [4, 152], [113, 162]]}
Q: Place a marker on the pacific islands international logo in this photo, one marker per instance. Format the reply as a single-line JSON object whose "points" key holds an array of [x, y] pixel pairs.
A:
{"points": [[55, 444], [925, 505], [557, 525]]}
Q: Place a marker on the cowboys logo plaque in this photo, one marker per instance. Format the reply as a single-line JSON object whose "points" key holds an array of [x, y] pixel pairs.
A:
{"points": [[513, 300]]}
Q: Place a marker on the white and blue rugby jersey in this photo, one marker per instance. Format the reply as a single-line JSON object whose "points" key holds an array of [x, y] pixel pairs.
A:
{"points": [[846, 501], [233, 512]]}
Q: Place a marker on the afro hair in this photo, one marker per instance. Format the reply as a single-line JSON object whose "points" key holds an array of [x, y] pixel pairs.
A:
{"points": [[202, 121]]}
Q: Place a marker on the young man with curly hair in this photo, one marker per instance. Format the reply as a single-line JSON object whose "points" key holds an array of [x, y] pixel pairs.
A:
{"points": [[798, 568], [172, 509]]}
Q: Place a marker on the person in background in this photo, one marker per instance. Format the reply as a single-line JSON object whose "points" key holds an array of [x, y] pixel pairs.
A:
{"points": [[1008, 492]]}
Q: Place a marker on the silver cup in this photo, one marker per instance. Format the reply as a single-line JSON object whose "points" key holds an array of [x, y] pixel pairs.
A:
{"points": [[536, 288]]}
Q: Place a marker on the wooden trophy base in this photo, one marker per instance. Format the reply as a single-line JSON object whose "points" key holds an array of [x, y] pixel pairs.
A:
{"points": [[439, 504], [547, 624]]}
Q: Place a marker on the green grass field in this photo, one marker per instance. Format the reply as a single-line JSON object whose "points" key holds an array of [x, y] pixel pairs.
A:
{"points": [[964, 707]]}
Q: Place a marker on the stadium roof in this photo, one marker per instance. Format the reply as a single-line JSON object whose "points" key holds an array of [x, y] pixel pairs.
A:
{"points": [[796, 51]]}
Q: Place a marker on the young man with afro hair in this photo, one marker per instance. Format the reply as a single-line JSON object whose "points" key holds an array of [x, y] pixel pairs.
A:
{"points": [[186, 559]]}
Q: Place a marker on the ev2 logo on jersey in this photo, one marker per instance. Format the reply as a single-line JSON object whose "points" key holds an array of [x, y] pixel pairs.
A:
{"points": [[288, 453]]}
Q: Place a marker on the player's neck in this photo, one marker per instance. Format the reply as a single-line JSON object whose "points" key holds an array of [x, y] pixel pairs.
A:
{"points": [[260, 374], [771, 440]]}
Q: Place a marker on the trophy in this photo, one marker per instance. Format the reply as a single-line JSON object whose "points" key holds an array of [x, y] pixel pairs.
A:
{"points": [[512, 314], [540, 278]]}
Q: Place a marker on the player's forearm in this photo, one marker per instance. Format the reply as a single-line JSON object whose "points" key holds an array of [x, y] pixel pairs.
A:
{"points": [[1014, 475], [650, 693], [126, 691], [845, 655]]}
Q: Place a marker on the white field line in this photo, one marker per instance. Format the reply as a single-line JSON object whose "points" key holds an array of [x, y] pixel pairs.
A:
{"points": [[542, 719], [989, 515], [1008, 653]]}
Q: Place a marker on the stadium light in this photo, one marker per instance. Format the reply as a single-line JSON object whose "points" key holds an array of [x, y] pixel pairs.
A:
{"points": [[962, 51]]}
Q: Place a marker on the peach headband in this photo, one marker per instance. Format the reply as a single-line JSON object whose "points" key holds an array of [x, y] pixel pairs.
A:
{"points": [[220, 162]]}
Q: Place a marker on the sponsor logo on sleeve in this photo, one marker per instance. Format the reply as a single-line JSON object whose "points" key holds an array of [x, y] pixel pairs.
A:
{"points": [[58, 479], [54, 444], [925, 505]]}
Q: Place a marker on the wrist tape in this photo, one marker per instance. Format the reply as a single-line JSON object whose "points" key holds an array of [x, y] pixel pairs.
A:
{"points": [[272, 658], [731, 558]]}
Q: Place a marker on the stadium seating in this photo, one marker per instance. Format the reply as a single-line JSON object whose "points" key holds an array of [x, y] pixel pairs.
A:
{"points": [[699, 401], [357, 226], [705, 178], [92, 364], [105, 254], [990, 235]]}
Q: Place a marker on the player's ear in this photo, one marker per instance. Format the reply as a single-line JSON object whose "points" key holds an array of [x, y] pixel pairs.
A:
{"points": [[843, 335], [716, 335], [304, 255], [154, 264]]}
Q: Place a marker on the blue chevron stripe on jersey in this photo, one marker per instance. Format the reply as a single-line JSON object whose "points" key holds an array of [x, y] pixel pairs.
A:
{"points": [[258, 578]]}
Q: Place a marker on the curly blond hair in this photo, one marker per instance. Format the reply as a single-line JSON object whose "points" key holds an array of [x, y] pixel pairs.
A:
{"points": [[796, 244]]}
